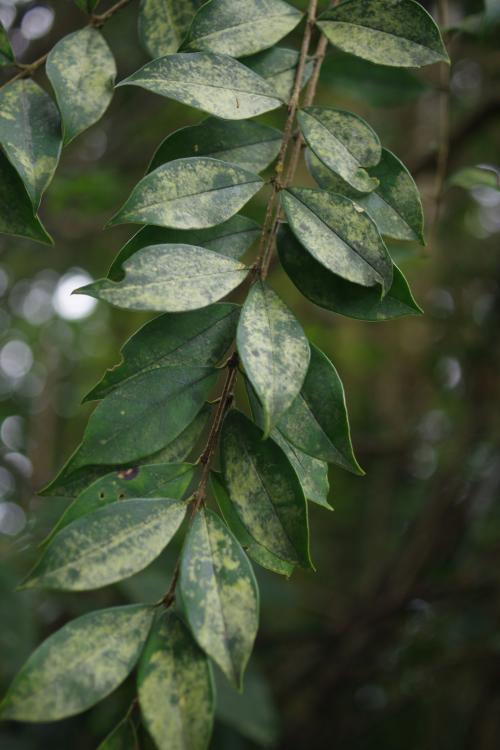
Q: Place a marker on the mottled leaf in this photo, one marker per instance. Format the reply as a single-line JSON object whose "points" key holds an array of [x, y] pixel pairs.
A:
{"points": [[390, 32], [122, 737], [475, 177], [219, 594], [79, 665], [241, 28], [274, 351], [340, 235], [264, 490], [170, 278], [6, 53], [30, 133], [175, 686], [333, 293], [16, 211], [108, 545], [216, 84], [163, 24], [278, 67], [82, 70]]}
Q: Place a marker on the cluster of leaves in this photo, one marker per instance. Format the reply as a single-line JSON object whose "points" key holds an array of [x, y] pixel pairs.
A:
{"points": [[132, 486]]}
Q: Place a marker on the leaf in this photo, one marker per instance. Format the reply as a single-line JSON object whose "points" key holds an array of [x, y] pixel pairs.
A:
{"points": [[16, 211], [390, 32], [219, 594], [6, 53], [122, 737], [189, 194], [344, 143], [242, 28], [264, 490], [175, 686], [108, 545], [88, 6], [79, 665], [250, 144], [333, 293], [278, 67], [170, 278], [216, 84], [192, 338], [82, 71], [340, 235], [274, 351], [231, 238], [479, 176], [256, 551], [163, 24], [30, 133]]}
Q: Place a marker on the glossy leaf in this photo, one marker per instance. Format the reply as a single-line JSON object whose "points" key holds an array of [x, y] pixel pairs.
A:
{"points": [[340, 235], [216, 84], [390, 32], [122, 737], [16, 211], [82, 70], [30, 133], [6, 53], [333, 293], [274, 351], [344, 143], [189, 194], [170, 278], [79, 665], [163, 24], [219, 594], [241, 28], [176, 693], [172, 340], [264, 490], [250, 144], [108, 545], [278, 67]]}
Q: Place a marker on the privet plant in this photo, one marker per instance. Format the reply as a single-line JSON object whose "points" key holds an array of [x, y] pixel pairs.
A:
{"points": [[246, 495]]}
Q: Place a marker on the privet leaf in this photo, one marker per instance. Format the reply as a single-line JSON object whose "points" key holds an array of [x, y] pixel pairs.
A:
{"points": [[82, 70], [274, 351], [191, 338], [16, 211], [122, 737], [344, 143], [170, 278], [340, 235], [6, 53], [175, 686], [242, 28], [333, 293], [189, 194], [469, 178], [217, 84], [78, 665], [219, 594], [108, 545], [88, 6], [250, 144], [264, 490], [278, 67], [163, 24], [30, 133], [390, 32]]}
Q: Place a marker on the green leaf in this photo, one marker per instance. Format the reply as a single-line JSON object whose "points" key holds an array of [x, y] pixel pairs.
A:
{"points": [[171, 340], [232, 238], [16, 211], [340, 235], [122, 737], [163, 24], [216, 84], [88, 6], [108, 545], [79, 665], [333, 293], [30, 133], [250, 144], [219, 594], [256, 551], [474, 177], [170, 278], [6, 53], [176, 692], [390, 32], [82, 71], [274, 351], [189, 194], [264, 490], [344, 143], [241, 28], [278, 67]]}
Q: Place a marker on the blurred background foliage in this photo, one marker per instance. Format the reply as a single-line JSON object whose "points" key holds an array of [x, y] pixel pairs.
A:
{"points": [[395, 641]]}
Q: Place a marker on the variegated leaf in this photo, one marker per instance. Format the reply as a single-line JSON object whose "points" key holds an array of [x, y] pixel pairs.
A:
{"points": [[278, 67], [163, 24], [16, 211]]}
